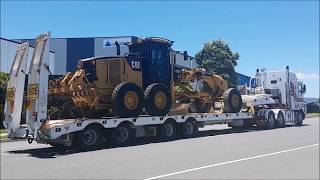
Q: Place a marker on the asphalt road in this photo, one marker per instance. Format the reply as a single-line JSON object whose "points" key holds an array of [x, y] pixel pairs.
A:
{"points": [[218, 153]]}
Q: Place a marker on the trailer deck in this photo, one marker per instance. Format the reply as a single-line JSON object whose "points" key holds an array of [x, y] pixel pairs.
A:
{"points": [[54, 129]]}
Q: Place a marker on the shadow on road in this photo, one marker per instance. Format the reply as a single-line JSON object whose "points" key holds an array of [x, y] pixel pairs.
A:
{"points": [[54, 152]]}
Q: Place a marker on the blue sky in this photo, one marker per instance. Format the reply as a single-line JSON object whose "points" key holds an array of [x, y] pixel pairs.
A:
{"points": [[267, 35]]}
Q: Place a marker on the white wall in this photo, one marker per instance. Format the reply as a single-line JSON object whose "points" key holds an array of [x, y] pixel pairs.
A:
{"points": [[180, 60], [8, 51], [101, 47], [59, 46]]}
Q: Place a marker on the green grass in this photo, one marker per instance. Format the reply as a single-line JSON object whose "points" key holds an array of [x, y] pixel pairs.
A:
{"points": [[313, 114], [3, 133]]}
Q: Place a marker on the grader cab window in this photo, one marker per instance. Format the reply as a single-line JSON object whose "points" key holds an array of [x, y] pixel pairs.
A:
{"points": [[90, 68]]}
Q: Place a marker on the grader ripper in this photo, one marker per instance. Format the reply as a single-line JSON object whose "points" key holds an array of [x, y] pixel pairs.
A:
{"points": [[144, 81]]}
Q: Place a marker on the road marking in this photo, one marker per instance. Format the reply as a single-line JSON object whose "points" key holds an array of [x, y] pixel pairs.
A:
{"points": [[229, 162]]}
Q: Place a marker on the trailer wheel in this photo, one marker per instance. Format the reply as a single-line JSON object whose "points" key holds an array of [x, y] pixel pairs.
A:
{"points": [[232, 101], [89, 138], [127, 100], [167, 131], [280, 122], [123, 135], [299, 119], [157, 99], [188, 129]]}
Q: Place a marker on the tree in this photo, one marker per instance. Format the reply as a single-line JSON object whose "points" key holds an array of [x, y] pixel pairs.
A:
{"points": [[216, 57], [3, 85]]}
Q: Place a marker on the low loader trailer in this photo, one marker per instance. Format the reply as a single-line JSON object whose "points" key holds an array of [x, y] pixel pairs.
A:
{"points": [[260, 110]]}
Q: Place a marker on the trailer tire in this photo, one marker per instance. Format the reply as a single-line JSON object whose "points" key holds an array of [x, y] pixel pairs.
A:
{"points": [[280, 122], [157, 99], [188, 129], [88, 138], [123, 135], [167, 131], [127, 100], [232, 101]]}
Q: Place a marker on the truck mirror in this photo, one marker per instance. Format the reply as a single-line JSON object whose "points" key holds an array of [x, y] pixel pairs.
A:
{"points": [[185, 55], [304, 88]]}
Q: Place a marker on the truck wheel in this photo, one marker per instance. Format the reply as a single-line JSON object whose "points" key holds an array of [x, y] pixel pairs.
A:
{"points": [[89, 138], [127, 100], [232, 101], [188, 129], [167, 131], [299, 119], [123, 135], [280, 123], [270, 121], [157, 99]]}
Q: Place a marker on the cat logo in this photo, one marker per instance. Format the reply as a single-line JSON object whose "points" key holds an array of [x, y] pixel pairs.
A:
{"points": [[135, 64]]}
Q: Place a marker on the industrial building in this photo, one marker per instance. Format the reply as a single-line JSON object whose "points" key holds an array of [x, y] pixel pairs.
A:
{"points": [[243, 79], [8, 51], [69, 50], [65, 52]]}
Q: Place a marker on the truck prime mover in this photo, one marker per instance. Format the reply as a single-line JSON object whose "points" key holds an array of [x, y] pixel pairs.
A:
{"points": [[272, 100]]}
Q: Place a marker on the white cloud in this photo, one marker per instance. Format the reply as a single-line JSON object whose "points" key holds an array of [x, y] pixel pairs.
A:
{"points": [[310, 76]]}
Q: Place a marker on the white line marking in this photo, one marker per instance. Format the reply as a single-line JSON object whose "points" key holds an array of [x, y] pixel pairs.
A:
{"points": [[229, 162]]}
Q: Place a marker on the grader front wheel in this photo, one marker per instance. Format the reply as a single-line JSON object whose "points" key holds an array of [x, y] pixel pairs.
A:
{"points": [[157, 99], [127, 100]]}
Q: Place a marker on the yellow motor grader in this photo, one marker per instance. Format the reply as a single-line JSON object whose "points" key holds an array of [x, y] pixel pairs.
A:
{"points": [[144, 81]]}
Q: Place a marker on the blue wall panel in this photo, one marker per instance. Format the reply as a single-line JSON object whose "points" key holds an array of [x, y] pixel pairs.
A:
{"points": [[78, 48], [243, 79]]}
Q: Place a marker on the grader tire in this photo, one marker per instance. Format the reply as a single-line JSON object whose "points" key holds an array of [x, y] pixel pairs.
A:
{"points": [[157, 99], [127, 100], [232, 101]]}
